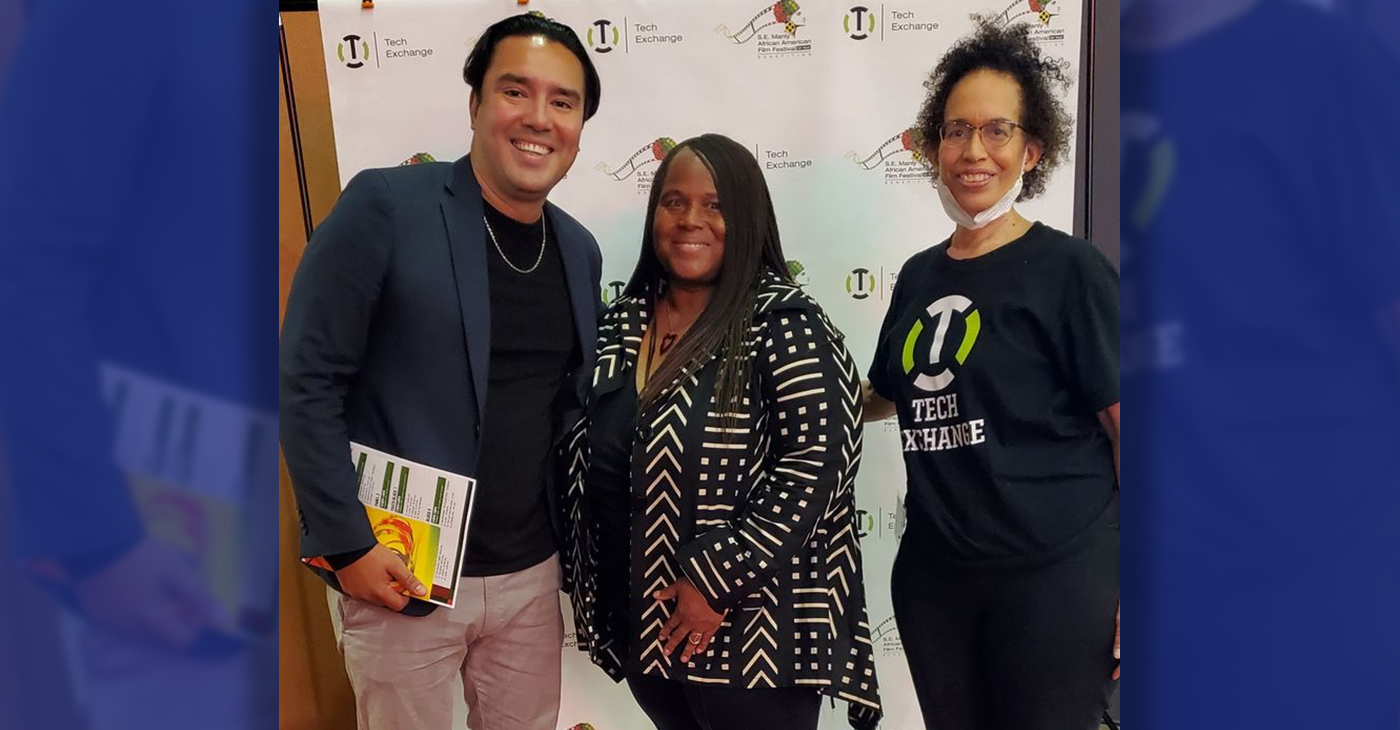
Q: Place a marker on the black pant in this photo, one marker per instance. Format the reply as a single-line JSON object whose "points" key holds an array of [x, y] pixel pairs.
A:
{"points": [[1010, 649], [674, 705]]}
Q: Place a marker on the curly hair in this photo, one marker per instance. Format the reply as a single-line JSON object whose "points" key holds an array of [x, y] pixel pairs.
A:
{"points": [[1010, 50]]}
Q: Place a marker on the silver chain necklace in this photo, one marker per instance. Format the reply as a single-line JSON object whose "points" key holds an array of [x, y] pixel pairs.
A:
{"points": [[544, 236]]}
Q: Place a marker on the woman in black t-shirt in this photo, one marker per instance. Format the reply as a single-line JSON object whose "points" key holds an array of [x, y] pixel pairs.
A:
{"points": [[999, 353]]}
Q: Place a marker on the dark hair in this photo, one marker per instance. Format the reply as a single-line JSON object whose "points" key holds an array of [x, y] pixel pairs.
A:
{"points": [[751, 246], [1010, 50], [474, 71]]}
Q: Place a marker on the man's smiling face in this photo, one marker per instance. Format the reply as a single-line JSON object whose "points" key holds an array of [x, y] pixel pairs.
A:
{"points": [[527, 117]]}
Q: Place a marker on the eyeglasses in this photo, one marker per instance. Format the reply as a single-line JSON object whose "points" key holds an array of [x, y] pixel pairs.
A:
{"points": [[995, 133]]}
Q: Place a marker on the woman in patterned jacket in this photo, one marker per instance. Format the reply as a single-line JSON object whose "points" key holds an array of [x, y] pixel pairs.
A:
{"points": [[714, 562]]}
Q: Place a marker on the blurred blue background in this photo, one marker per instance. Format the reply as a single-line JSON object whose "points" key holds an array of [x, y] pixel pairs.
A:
{"points": [[1261, 289], [1261, 302], [137, 404]]}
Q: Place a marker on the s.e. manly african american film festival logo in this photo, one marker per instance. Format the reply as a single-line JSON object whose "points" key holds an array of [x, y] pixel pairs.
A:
{"points": [[640, 164], [774, 30], [1032, 11], [1039, 13], [890, 157]]}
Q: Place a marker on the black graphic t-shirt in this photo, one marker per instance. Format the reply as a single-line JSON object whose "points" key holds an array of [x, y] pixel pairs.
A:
{"points": [[999, 366]]}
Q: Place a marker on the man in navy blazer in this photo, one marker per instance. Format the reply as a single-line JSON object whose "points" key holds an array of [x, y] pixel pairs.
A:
{"points": [[446, 313]]}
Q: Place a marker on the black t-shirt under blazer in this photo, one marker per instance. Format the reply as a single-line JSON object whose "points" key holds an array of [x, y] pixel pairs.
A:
{"points": [[533, 348]]}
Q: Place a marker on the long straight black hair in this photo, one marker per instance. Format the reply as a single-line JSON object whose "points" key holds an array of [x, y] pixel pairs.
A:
{"points": [[751, 246]]}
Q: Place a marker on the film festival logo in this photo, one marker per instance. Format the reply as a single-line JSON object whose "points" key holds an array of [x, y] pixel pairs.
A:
{"points": [[941, 316], [604, 36], [1039, 12], [798, 272], [775, 30], [1030, 10], [889, 157], [885, 637], [637, 165], [357, 49]]}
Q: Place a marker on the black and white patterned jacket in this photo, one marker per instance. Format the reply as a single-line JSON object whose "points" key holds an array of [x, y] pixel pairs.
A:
{"points": [[763, 524]]}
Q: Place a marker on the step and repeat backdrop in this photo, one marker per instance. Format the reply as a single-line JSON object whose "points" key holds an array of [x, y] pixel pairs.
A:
{"points": [[824, 93]]}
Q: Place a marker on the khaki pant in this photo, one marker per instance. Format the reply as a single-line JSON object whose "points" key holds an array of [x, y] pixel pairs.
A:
{"points": [[503, 638]]}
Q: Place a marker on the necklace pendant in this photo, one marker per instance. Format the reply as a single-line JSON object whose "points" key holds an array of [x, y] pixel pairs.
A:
{"points": [[667, 341]]}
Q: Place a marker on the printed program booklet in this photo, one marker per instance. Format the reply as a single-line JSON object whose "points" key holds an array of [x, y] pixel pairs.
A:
{"points": [[418, 512]]}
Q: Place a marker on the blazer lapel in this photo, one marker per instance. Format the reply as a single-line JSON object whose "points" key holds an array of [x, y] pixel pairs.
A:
{"points": [[618, 335], [466, 240]]}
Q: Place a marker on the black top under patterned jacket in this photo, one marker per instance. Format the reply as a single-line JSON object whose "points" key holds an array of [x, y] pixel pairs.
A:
{"points": [[762, 522]]}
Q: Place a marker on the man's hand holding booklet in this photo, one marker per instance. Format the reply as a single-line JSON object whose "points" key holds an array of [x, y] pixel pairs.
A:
{"points": [[420, 514]]}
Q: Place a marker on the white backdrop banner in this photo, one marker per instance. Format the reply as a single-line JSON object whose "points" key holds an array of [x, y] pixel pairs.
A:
{"points": [[825, 94]]}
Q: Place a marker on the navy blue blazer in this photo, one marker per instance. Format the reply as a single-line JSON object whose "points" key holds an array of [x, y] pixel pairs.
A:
{"points": [[386, 341]]}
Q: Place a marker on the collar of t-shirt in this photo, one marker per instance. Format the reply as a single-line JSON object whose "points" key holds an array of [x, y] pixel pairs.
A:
{"points": [[520, 241]]}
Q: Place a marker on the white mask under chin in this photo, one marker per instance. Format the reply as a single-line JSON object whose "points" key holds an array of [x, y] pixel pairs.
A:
{"points": [[974, 222]]}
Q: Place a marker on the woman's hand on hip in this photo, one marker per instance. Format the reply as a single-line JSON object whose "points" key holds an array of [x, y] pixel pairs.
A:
{"points": [[692, 624]]}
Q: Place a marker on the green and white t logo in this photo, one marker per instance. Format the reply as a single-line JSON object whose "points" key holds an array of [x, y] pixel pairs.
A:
{"points": [[941, 312], [358, 47], [601, 43]]}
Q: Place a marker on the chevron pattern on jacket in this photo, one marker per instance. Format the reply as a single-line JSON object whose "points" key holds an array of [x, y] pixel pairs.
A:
{"points": [[755, 508]]}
